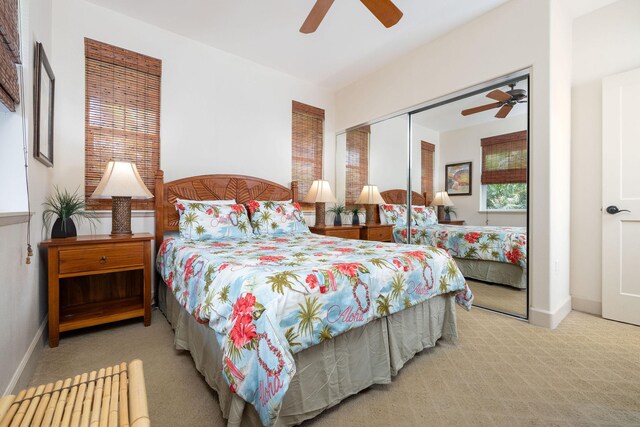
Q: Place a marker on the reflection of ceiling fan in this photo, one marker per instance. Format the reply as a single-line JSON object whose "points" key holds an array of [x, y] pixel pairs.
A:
{"points": [[506, 101], [384, 10]]}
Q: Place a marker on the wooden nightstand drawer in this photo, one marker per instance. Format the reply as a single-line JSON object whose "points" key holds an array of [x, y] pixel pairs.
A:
{"points": [[377, 233], [344, 232], [102, 257]]}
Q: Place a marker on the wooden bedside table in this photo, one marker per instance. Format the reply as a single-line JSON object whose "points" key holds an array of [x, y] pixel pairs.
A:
{"points": [[452, 222], [377, 232], [343, 231], [98, 279]]}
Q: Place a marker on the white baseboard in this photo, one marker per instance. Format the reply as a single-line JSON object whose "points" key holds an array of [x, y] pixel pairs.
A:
{"points": [[22, 375], [548, 319], [587, 306]]}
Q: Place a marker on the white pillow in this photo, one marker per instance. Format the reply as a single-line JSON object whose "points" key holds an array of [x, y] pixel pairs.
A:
{"points": [[383, 217]]}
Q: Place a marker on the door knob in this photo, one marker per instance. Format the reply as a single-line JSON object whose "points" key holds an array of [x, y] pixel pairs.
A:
{"points": [[614, 210]]}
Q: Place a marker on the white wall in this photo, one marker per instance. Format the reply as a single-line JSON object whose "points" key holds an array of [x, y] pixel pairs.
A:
{"points": [[605, 42], [470, 55], [388, 153], [219, 113], [24, 297], [463, 145]]}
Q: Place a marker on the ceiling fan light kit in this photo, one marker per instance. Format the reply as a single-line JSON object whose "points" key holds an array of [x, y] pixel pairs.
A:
{"points": [[505, 101], [386, 12]]}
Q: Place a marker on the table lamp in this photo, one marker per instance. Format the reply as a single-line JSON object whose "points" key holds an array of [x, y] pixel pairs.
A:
{"points": [[121, 182], [320, 193], [370, 197], [440, 200]]}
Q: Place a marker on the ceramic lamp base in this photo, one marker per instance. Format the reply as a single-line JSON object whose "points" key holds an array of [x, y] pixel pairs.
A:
{"points": [[371, 214], [321, 222], [120, 215]]}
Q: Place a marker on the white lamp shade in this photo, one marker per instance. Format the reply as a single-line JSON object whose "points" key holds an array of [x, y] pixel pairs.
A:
{"points": [[121, 179], [442, 199], [370, 196], [320, 192]]}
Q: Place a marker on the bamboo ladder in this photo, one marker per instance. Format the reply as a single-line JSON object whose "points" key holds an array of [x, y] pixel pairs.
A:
{"points": [[113, 396]]}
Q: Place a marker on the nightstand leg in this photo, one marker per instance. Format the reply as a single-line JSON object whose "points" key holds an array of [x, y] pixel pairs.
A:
{"points": [[54, 299], [147, 283]]}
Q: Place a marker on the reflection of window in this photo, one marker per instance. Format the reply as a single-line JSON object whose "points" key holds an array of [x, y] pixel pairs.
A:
{"points": [[357, 163], [122, 118], [504, 171], [426, 162], [307, 135]]}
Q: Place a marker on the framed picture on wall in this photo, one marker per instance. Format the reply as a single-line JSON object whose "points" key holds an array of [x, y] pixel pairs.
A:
{"points": [[458, 177], [43, 108]]}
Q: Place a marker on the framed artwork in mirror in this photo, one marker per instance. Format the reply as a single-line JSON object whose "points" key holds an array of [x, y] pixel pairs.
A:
{"points": [[44, 82], [458, 177]]}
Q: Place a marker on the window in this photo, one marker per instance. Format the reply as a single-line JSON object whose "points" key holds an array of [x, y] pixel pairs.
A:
{"points": [[9, 54], [307, 129], [426, 161], [504, 171], [122, 115], [357, 163]]}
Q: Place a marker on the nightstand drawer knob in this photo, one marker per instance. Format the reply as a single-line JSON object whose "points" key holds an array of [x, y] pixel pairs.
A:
{"points": [[103, 260]]}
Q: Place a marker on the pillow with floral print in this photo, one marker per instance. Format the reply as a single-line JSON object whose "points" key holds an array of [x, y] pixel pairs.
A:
{"points": [[183, 204], [395, 214], [204, 221], [276, 217], [422, 216]]}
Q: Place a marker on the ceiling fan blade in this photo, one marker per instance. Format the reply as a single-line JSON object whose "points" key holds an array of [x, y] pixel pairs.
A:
{"points": [[499, 95], [384, 10], [316, 16], [504, 111], [481, 108]]}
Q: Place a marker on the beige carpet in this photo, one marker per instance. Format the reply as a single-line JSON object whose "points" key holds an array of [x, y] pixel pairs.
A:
{"points": [[501, 372], [499, 297]]}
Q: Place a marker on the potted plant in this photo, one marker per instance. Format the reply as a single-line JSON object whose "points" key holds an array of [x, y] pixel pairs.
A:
{"points": [[65, 207], [355, 219], [448, 210], [338, 209]]}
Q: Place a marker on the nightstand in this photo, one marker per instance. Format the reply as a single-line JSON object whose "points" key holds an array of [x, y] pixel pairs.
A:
{"points": [[97, 279], [452, 222], [377, 232], [343, 231]]}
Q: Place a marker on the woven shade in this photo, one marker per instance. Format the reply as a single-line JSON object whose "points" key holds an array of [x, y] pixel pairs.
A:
{"points": [[504, 158], [357, 163], [307, 135], [122, 115], [9, 54], [427, 151]]}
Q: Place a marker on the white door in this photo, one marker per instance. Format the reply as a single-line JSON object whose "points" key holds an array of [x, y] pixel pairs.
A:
{"points": [[621, 197]]}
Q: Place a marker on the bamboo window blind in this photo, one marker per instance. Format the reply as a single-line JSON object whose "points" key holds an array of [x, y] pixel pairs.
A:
{"points": [[426, 178], [122, 115], [357, 163], [306, 140], [9, 54], [504, 158]]}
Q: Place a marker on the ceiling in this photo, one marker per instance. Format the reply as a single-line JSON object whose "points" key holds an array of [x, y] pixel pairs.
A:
{"points": [[447, 117], [349, 44]]}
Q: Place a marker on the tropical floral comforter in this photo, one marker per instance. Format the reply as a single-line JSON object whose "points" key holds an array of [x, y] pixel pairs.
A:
{"points": [[272, 296], [501, 244]]}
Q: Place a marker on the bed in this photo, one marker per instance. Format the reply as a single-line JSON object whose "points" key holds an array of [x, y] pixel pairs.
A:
{"points": [[325, 323], [490, 254]]}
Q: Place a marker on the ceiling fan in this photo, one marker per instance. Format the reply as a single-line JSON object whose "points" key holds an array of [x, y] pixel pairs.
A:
{"points": [[506, 101], [384, 10]]}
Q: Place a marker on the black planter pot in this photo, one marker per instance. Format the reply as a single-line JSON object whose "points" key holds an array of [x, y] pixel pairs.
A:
{"points": [[337, 220], [355, 220], [58, 231]]}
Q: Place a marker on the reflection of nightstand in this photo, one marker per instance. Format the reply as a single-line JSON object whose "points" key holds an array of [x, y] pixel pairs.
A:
{"points": [[377, 232], [343, 231], [452, 222]]}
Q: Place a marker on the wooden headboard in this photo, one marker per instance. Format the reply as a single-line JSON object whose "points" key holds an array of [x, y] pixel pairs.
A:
{"points": [[399, 197], [211, 187]]}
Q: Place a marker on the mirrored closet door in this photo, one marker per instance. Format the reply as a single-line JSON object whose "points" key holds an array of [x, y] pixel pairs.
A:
{"points": [[470, 161]]}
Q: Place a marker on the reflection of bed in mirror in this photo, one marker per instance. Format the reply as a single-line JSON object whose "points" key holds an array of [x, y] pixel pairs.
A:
{"points": [[489, 254], [329, 368]]}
